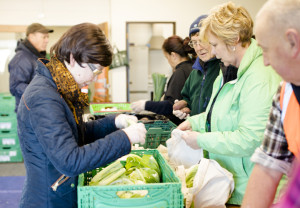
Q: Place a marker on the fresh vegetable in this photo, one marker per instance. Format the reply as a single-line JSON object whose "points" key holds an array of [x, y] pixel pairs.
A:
{"points": [[159, 81], [190, 175], [133, 161], [117, 165], [112, 177], [150, 162], [138, 170], [147, 161], [137, 175], [150, 175]]}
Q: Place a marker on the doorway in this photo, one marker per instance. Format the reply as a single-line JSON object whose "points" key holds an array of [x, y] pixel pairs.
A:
{"points": [[144, 49]]}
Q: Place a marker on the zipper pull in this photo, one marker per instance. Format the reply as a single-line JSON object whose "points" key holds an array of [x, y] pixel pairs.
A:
{"points": [[54, 186], [59, 181]]}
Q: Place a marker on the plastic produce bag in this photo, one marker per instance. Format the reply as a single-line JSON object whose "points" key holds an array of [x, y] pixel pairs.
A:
{"points": [[212, 185], [159, 81], [180, 153]]}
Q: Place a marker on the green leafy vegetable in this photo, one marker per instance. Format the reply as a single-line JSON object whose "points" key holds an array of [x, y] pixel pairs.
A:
{"points": [[159, 81], [137, 175], [117, 165], [150, 175], [149, 161], [112, 177], [133, 161], [190, 175], [138, 170]]}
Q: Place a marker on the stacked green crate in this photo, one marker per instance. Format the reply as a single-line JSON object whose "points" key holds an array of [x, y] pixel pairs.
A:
{"points": [[10, 150]]}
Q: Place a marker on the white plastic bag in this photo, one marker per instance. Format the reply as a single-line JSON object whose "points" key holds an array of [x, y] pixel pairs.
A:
{"points": [[180, 153], [212, 187]]}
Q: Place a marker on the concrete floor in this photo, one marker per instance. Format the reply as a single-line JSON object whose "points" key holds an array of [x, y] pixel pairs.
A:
{"points": [[12, 169]]}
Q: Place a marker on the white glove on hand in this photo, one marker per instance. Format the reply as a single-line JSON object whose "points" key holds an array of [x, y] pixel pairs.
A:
{"points": [[190, 138], [122, 121], [138, 106], [136, 133], [180, 114]]}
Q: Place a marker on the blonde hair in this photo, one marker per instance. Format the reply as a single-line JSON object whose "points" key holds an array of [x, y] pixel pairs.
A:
{"points": [[229, 23]]}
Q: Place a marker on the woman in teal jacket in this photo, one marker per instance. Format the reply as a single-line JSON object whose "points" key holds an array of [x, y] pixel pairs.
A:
{"points": [[233, 125]]}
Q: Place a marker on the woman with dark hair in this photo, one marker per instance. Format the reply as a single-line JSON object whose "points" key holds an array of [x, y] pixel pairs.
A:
{"points": [[57, 145], [178, 52]]}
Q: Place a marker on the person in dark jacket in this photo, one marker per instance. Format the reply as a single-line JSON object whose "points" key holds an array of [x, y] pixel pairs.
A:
{"points": [[21, 67], [177, 52], [197, 89], [57, 145]]}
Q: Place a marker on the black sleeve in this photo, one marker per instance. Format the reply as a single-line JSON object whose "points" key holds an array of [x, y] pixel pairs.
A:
{"points": [[160, 107], [175, 86]]}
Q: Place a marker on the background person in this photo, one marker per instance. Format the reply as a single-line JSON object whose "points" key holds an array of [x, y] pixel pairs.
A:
{"points": [[22, 66], [278, 33], [233, 124], [197, 89], [56, 144], [177, 51]]}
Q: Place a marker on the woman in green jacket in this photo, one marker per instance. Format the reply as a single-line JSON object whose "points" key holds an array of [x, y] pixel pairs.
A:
{"points": [[233, 124]]}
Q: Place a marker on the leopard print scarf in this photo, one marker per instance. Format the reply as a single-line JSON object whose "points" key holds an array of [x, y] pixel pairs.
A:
{"points": [[68, 88]]}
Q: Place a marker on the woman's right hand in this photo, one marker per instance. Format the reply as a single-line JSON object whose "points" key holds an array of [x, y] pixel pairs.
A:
{"points": [[184, 126], [136, 133]]}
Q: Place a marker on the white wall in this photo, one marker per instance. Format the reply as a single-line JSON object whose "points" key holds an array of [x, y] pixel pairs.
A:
{"points": [[65, 13], [116, 12]]}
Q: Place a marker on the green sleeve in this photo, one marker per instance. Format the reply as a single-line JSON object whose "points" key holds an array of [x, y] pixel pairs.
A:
{"points": [[255, 102], [198, 122], [185, 92]]}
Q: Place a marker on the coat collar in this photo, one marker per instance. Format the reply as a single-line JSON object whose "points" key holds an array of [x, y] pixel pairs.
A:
{"points": [[251, 54]]}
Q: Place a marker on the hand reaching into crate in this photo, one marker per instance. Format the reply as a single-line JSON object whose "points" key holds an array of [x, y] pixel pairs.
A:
{"points": [[136, 133], [122, 121]]}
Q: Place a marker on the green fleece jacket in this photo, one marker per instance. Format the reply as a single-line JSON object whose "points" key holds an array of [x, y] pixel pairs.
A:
{"points": [[238, 118], [197, 88]]}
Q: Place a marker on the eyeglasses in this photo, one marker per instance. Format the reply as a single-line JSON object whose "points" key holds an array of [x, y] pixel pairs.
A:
{"points": [[194, 43], [95, 69]]}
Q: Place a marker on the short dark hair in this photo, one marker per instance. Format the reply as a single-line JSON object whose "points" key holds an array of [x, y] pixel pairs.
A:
{"points": [[86, 42]]}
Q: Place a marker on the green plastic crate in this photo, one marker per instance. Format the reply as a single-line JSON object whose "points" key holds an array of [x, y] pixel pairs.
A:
{"points": [[9, 139], [8, 122], [10, 154], [7, 103], [166, 194], [97, 109], [158, 132]]}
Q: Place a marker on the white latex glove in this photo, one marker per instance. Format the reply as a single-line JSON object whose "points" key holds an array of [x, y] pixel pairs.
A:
{"points": [[122, 121], [181, 115], [138, 106], [190, 138], [136, 133]]}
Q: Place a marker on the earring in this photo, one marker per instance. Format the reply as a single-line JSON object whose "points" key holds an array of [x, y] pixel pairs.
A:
{"points": [[233, 48]]}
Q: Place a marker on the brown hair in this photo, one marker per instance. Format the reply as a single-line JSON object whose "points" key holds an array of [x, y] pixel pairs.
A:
{"points": [[178, 45], [86, 42], [229, 23]]}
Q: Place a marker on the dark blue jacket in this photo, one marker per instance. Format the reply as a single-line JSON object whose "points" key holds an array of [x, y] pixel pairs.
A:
{"points": [[21, 71], [48, 137]]}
